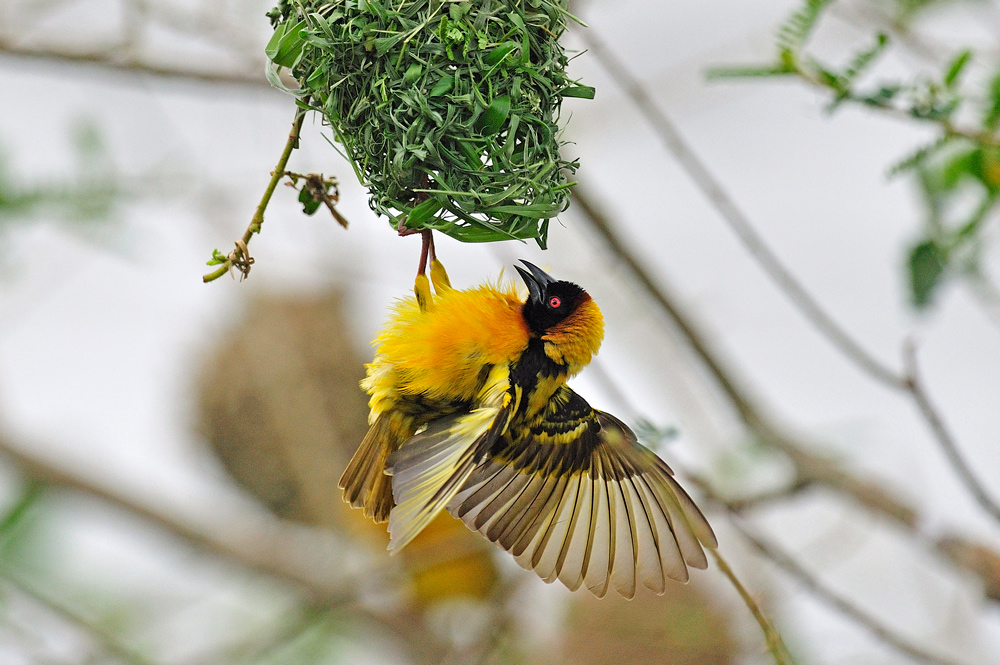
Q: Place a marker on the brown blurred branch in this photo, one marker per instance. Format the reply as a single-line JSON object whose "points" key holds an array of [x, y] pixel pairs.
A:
{"points": [[730, 212], [104, 61], [215, 25], [263, 545], [292, 555], [810, 468], [818, 588], [915, 387], [295, 556], [741, 225]]}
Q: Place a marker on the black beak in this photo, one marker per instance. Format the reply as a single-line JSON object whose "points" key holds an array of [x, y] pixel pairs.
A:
{"points": [[536, 279]]}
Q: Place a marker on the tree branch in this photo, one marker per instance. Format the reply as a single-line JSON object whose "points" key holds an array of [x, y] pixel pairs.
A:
{"points": [[775, 645], [731, 214], [772, 265], [810, 468], [105, 640], [138, 71], [240, 257], [947, 127], [265, 546], [295, 556], [915, 387], [874, 626]]}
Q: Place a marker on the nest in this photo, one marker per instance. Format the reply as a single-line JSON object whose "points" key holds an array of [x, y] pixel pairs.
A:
{"points": [[447, 110]]}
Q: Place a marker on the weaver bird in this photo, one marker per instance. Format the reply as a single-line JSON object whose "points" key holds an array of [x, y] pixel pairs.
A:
{"points": [[470, 412]]}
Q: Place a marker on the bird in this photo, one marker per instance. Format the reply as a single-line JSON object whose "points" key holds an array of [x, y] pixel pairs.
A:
{"points": [[470, 412]]}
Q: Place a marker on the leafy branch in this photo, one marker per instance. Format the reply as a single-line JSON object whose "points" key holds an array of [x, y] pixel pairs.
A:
{"points": [[240, 257], [314, 191], [964, 156], [810, 469]]}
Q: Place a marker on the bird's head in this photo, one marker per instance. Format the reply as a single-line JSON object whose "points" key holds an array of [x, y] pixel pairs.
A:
{"points": [[563, 315]]}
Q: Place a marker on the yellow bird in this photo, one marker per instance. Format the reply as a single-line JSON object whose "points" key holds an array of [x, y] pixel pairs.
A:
{"points": [[470, 412]]}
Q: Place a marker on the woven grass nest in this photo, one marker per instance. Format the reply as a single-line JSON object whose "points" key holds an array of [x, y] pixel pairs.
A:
{"points": [[448, 110]]}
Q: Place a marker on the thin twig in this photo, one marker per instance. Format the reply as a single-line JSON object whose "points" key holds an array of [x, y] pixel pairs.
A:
{"points": [[240, 256], [943, 434], [769, 497], [947, 127], [786, 562], [771, 635], [840, 603], [257, 648], [136, 71], [731, 214], [989, 566]]}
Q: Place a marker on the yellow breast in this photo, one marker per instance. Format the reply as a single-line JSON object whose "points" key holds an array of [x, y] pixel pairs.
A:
{"points": [[440, 353]]}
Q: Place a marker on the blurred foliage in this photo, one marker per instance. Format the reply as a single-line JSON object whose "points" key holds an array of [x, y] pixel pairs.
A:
{"points": [[448, 111], [679, 628], [283, 411], [958, 172], [85, 196]]}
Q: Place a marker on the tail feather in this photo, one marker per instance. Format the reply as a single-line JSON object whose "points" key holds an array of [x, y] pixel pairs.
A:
{"points": [[364, 481]]}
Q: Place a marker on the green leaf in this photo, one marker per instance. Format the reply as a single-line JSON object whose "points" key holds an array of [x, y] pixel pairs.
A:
{"points": [[422, 213], [217, 258], [967, 163], [497, 55], [927, 265], [494, 118], [412, 73], [534, 210], [309, 204], [792, 35], [443, 86], [750, 71], [863, 61], [18, 516], [992, 115], [285, 45], [581, 91], [384, 44], [459, 9], [956, 68]]}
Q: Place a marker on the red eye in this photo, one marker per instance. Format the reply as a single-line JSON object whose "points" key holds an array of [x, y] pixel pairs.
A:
{"points": [[555, 302]]}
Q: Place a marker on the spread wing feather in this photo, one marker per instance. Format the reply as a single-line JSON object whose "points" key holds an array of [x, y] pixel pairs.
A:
{"points": [[433, 465], [594, 508]]}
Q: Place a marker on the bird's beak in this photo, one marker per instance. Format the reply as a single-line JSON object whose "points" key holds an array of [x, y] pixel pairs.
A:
{"points": [[535, 278]]}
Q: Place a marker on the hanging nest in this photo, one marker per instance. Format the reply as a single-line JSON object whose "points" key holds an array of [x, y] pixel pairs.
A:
{"points": [[448, 110]]}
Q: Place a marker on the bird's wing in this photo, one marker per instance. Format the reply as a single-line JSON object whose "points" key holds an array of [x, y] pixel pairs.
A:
{"points": [[434, 464], [576, 498]]}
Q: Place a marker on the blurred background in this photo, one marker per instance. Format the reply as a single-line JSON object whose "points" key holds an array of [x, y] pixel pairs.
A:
{"points": [[797, 274]]}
